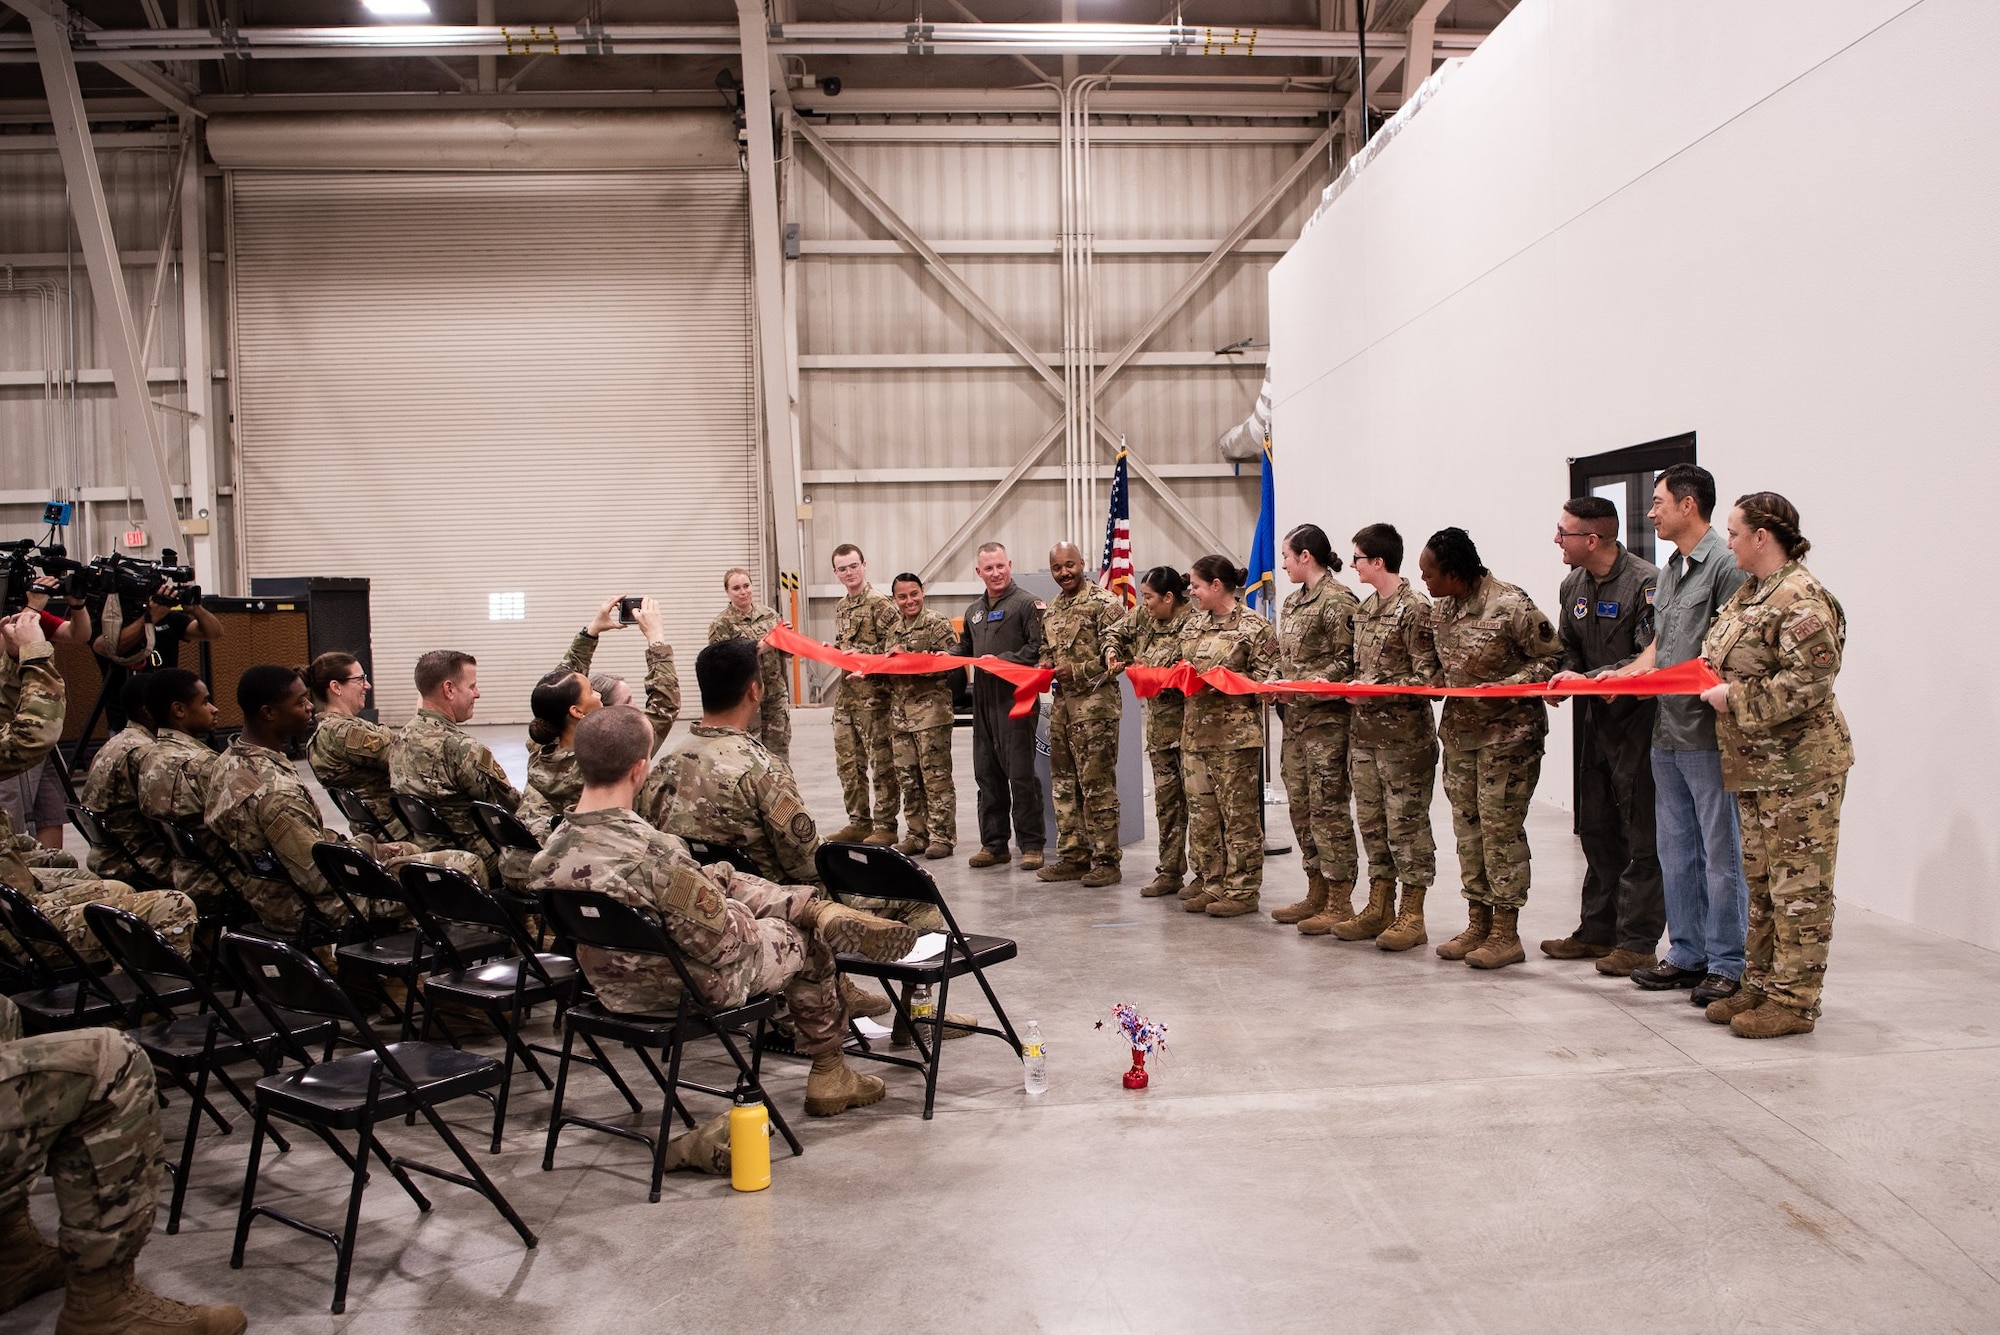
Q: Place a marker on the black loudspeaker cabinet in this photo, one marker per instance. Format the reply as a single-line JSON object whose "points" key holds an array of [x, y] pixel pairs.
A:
{"points": [[254, 630]]}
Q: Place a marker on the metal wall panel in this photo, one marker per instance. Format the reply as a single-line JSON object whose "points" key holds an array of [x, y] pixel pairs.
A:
{"points": [[462, 385]]}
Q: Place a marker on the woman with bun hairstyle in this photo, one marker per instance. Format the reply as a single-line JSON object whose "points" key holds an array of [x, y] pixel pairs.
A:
{"points": [[1786, 750], [1150, 636], [744, 618], [1222, 740]]}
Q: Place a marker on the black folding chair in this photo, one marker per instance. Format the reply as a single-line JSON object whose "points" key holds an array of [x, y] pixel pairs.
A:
{"points": [[708, 853], [503, 829], [883, 873], [100, 836], [423, 820], [388, 950], [502, 990], [315, 928], [594, 918], [355, 1092], [65, 991], [214, 1038], [231, 910], [360, 816]]}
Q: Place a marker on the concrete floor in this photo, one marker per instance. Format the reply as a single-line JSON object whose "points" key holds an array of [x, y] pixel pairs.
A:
{"points": [[1339, 1139]]}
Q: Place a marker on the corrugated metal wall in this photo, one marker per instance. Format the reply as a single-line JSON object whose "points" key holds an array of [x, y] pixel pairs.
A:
{"points": [[875, 305], [44, 447]]}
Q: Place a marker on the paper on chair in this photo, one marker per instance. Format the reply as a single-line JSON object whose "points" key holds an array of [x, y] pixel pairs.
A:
{"points": [[929, 946]]}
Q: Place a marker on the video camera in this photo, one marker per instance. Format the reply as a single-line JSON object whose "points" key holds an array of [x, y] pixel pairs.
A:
{"points": [[23, 561], [137, 581]]}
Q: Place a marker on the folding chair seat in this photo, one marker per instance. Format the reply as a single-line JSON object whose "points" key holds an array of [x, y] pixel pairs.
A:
{"points": [[594, 918], [864, 869], [355, 1092], [205, 1043], [232, 910], [90, 824], [505, 832], [423, 820], [72, 994], [707, 852], [502, 989], [360, 816]]}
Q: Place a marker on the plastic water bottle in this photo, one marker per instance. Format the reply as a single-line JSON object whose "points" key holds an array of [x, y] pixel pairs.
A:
{"points": [[1034, 1066], [923, 1004]]}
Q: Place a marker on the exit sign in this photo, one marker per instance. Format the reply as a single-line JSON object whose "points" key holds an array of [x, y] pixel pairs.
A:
{"points": [[135, 537]]}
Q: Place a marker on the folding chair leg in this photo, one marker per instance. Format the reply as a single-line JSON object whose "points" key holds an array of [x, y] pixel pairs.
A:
{"points": [[484, 1184], [185, 1166], [562, 1084], [247, 1205], [979, 976], [344, 1249], [500, 1094], [604, 1065], [672, 1084], [756, 1087]]}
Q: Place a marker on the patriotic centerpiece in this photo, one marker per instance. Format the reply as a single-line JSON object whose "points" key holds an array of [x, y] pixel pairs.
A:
{"points": [[1142, 1036]]}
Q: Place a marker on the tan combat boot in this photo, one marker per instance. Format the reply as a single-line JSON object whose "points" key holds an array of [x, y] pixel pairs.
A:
{"points": [[1478, 922], [851, 833], [1339, 909], [1502, 945], [856, 1002], [1368, 924], [881, 839], [702, 1150], [1160, 886], [28, 1265], [1031, 859], [1408, 929], [1224, 907], [111, 1302], [1197, 902], [1313, 903], [1103, 874], [1727, 1009], [1770, 1020], [849, 931], [937, 848], [914, 844], [833, 1087]]}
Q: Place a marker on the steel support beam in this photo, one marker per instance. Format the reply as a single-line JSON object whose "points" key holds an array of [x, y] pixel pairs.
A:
{"points": [[144, 455], [767, 261], [194, 359], [1418, 54], [153, 82]]}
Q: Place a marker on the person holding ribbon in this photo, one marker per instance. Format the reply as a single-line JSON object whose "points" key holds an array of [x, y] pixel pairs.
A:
{"points": [[1150, 636], [1488, 634], [1222, 740], [1786, 750]]}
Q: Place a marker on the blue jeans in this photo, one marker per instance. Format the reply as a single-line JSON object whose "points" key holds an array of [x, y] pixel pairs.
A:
{"points": [[1701, 862]]}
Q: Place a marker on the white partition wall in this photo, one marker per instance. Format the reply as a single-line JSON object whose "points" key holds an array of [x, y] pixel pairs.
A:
{"points": [[1775, 225]]}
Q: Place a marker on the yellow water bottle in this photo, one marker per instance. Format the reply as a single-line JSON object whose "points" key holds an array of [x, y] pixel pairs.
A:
{"points": [[749, 1147]]}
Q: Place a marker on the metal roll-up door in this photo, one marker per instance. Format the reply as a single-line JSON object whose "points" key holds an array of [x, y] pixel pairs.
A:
{"points": [[502, 398]]}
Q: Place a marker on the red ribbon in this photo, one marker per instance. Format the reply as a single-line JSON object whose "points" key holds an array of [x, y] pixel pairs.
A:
{"points": [[1689, 678], [1029, 682]]}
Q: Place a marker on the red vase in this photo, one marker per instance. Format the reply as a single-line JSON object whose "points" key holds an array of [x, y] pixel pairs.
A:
{"points": [[1136, 1078]]}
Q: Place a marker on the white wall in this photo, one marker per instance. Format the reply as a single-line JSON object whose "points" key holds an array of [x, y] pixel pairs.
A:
{"points": [[1772, 224]]}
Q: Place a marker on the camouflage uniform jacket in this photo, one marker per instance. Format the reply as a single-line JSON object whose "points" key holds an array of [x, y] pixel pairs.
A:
{"points": [[435, 759], [1141, 639], [662, 690], [259, 804], [1316, 643], [616, 852], [1243, 642], [920, 702], [31, 720], [1494, 635], [176, 776], [759, 621], [863, 623], [1393, 647], [721, 785], [112, 790], [1077, 630], [350, 752], [1778, 643]]}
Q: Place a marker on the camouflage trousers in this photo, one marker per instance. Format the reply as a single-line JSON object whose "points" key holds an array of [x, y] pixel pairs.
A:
{"points": [[865, 757], [1489, 791], [1083, 781], [1225, 823], [782, 955], [82, 1105], [198, 882], [1392, 804], [1170, 810], [277, 904], [61, 896], [1313, 764], [773, 725], [33, 852], [923, 773], [1790, 839]]}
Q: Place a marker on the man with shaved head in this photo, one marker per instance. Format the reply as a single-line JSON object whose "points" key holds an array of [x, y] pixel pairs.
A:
{"points": [[1006, 622], [1083, 722]]}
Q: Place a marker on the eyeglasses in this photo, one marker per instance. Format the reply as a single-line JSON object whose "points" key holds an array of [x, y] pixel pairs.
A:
{"points": [[349, 681], [1357, 558], [1564, 535]]}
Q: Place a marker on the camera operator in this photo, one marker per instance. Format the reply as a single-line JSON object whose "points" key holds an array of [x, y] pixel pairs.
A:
{"points": [[174, 614], [73, 625]]}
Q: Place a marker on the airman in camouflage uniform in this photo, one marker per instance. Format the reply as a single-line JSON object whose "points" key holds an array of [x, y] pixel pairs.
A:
{"points": [[111, 789], [82, 1106], [1316, 643], [1152, 641], [1222, 741], [1393, 754], [740, 935], [439, 761], [721, 786], [259, 803], [920, 723], [863, 622], [1489, 634], [1786, 750], [176, 775], [774, 717], [347, 751], [1086, 704], [31, 719]]}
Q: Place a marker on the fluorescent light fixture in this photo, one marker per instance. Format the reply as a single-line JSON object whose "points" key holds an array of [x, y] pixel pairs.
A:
{"points": [[507, 606], [397, 9]]}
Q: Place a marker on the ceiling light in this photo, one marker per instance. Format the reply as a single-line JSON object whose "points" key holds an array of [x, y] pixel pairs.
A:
{"points": [[397, 9]]}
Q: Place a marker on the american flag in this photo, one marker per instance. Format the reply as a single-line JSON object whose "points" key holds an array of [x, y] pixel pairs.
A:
{"points": [[1114, 568]]}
